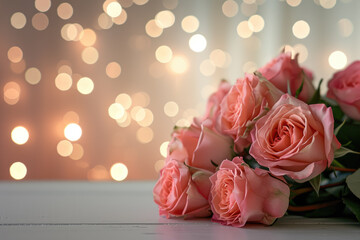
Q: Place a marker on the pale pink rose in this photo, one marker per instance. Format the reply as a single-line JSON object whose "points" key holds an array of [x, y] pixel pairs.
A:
{"points": [[176, 194], [344, 88], [295, 139], [284, 69], [198, 146], [246, 101], [240, 194], [211, 116]]}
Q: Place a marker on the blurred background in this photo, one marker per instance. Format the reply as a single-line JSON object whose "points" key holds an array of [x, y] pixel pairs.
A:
{"points": [[92, 89]]}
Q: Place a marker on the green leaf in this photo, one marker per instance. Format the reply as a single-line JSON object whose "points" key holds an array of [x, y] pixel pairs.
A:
{"points": [[353, 182], [353, 204], [298, 91], [339, 127], [315, 183], [342, 151], [336, 163], [289, 88], [316, 97]]}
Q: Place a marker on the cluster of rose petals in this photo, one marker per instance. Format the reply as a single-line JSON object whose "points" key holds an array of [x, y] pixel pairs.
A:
{"points": [[295, 139], [344, 88], [248, 99], [284, 70], [240, 194], [184, 185]]}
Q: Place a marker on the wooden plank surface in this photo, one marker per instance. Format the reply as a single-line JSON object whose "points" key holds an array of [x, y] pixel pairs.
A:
{"points": [[83, 210]]}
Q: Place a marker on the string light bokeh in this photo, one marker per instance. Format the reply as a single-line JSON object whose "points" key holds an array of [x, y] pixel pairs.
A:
{"points": [[92, 89]]}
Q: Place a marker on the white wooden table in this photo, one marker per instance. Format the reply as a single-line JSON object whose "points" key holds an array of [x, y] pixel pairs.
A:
{"points": [[84, 210]]}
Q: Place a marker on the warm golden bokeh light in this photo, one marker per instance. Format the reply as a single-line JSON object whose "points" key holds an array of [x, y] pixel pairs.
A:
{"points": [[337, 60], [116, 111], [144, 135], [33, 76], [301, 29], [64, 148], [65, 69], [18, 170], [207, 68], [77, 153], [165, 19], [124, 99], [98, 173], [190, 24], [256, 23], [345, 27], [71, 117], [20, 135], [63, 81], [71, 32], [113, 9], [230, 8], [164, 149], [18, 67], [40, 21], [243, 29], [119, 171], [18, 20], [73, 132], [125, 121], [65, 11], [42, 5], [163, 54], [302, 51], [140, 2], [90, 55], [159, 164], [152, 29], [11, 93], [179, 64], [15, 54], [171, 109], [197, 43], [85, 85], [88, 37], [121, 19], [249, 67], [141, 99], [113, 70], [137, 113], [105, 21], [327, 4], [293, 3], [147, 119]]}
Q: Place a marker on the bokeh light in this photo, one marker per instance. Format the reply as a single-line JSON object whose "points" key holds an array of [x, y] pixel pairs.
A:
{"points": [[63, 81], [327, 4], [11, 93], [256, 23], [337, 60], [164, 148], [152, 29], [147, 119], [207, 68], [78, 152], [163, 54], [90, 55], [141, 99], [15, 54], [20, 135], [179, 64], [140, 2], [345, 27], [119, 171], [85, 85], [88, 37], [40, 21], [18, 20], [105, 21], [165, 19], [73, 132], [159, 164], [65, 11], [113, 9], [144, 135], [64, 148], [113, 70], [124, 99], [42, 5], [33, 75], [230, 8], [121, 19], [243, 29], [301, 29], [293, 3], [190, 24], [116, 111], [171, 109], [71, 117], [18, 170], [197, 43]]}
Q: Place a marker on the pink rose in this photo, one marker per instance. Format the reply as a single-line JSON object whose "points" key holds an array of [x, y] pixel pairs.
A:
{"points": [[177, 195], [240, 194], [295, 139], [283, 69], [211, 116], [246, 101], [344, 88], [198, 146]]}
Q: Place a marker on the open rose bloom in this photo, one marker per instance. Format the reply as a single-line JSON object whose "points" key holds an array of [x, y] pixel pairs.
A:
{"points": [[258, 141]]}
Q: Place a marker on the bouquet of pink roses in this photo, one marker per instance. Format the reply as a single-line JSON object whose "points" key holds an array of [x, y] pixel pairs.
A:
{"points": [[266, 146]]}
